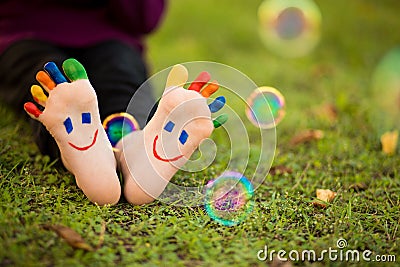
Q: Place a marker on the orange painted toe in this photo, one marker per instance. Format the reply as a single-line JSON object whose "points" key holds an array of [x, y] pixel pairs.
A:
{"points": [[44, 79], [210, 89]]}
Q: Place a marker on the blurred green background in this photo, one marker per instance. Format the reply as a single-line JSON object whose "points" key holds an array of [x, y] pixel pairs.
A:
{"points": [[355, 36]]}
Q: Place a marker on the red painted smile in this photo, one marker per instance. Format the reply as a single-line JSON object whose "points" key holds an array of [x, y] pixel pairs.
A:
{"points": [[158, 156], [86, 147]]}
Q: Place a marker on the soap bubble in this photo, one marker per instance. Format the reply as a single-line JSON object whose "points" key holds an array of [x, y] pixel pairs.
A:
{"points": [[118, 125], [228, 199], [289, 28], [290, 23], [261, 103], [386, 92]]}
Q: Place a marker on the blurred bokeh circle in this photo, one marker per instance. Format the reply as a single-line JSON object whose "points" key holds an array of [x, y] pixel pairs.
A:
{"points": [[289, 28]]}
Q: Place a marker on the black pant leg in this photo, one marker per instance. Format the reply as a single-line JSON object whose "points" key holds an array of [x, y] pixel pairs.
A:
{"points": [[116, 71], [18, 67]]}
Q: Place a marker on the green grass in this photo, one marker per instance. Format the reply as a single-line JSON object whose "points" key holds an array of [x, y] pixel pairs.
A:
{"points": [[355, 36]]}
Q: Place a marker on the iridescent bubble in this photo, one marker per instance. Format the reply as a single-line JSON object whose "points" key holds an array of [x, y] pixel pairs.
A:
{"points": [[228, 199], [386, 92], [291, 23], [118, 125], [263, 102], [289, 28]]}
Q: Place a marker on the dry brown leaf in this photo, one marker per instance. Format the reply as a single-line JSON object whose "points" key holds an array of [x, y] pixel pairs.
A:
{"points": [[319, 204], [279, 170], [306, 136], [327, 112], [389, 142], [358, 187], [324, 195], [74, 239]]}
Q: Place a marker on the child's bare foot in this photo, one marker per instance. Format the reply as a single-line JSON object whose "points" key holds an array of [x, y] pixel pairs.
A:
{"points": [[149, 158], [72, 117]]}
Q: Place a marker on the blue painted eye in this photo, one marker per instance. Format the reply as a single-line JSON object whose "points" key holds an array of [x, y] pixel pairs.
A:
{"points": [[169, 126], [68, 125], [86, 117], [183, 137]]}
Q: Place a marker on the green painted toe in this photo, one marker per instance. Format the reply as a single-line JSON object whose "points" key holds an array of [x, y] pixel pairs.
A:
{"points": [[221, 119], [74, 70]]}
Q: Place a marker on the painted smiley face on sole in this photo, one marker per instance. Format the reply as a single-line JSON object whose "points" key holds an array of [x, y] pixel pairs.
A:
{"points": [[72, 117], [86, 119], [150, 158]]}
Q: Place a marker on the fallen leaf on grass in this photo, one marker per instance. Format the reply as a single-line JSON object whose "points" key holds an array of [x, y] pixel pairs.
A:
{"points": [[74, 239], [327, 112], [279, 170], [358, 187], [306, 136], [325, 195], [389, 142]]}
